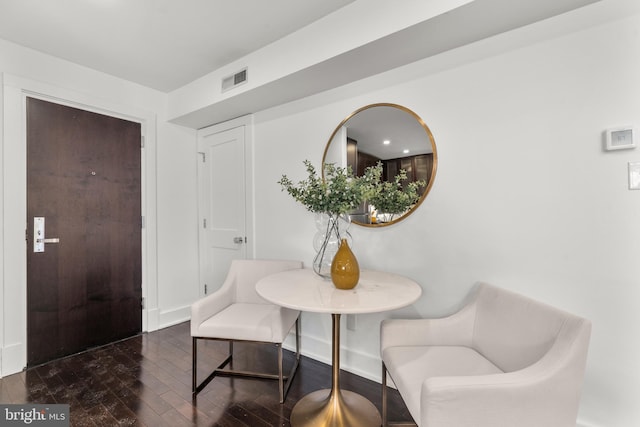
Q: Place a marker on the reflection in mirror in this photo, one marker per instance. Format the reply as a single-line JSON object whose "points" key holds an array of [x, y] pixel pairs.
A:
{"points": [[393, 135]]}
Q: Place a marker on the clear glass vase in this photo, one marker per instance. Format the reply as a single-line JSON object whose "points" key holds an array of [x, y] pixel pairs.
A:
{"points": [[331, 229]]}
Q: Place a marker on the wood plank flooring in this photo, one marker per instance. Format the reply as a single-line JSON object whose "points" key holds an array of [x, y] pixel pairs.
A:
{"points": [[146, 381]]}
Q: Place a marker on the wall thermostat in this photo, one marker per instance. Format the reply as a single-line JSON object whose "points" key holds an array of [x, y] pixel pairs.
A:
{"points": [[620, 138]]}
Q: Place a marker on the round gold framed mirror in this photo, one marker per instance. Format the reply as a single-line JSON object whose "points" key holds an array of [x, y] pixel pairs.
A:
{"points": [[396, 137]]}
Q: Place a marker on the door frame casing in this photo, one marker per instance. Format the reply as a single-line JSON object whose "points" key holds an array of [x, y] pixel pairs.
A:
{"points": [[13, 265], [248, 123]]}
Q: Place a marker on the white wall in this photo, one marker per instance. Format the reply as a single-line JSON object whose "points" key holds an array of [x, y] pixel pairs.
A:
{"points": [[170, 239], [524, 197], [177, 224]]}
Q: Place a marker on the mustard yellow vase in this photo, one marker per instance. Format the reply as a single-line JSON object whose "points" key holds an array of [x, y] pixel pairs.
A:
{"points": [[345, 271]]}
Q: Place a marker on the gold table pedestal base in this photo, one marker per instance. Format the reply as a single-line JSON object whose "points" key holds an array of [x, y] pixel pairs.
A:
{"points": [[324, 408]]}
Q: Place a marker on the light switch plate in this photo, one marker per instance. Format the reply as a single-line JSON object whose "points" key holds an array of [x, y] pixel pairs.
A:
{"points": [[352, 323], [620, 138], [634, 175]]}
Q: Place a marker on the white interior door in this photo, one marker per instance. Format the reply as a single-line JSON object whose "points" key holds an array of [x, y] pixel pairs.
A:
{"points": [[222, 207]]}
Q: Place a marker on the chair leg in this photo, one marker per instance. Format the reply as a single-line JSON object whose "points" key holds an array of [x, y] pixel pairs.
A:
{"points": [[384, 395], [283, 387], [385, 414], [195, 387], [280, 376], [194, 364], [298, 339]]}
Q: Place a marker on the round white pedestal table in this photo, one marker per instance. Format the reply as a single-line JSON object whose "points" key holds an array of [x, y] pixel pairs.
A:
{"points": [[304, 290]]}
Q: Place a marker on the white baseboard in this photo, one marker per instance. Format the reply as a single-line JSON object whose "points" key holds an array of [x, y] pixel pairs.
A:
{"points": [[172, 317], [152, 320], [13, 359]]}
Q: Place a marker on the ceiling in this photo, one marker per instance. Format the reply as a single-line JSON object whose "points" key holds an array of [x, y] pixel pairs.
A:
{"points": [[161, 44], [168, 44], [372, 126]]}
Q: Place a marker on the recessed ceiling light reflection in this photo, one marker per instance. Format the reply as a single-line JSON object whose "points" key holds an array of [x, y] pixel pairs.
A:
{"points": [[386, 142]]}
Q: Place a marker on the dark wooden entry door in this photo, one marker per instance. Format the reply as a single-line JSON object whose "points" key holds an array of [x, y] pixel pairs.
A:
{"points": [[84, 178]]}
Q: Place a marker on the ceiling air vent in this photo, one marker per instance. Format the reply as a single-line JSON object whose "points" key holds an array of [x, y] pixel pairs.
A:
{"points": [[234, 80]]}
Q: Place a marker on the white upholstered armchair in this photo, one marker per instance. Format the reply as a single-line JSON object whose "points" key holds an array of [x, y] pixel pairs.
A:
{"points": [[503, 360], [235, 312]]}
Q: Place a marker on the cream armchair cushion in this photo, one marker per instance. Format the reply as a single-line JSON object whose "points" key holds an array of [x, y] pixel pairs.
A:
{"points": [[235, 312], [504, 360]]}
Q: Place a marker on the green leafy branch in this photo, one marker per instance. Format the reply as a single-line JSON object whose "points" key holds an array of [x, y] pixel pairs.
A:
{"points": [[341, 192], [391, 197]]}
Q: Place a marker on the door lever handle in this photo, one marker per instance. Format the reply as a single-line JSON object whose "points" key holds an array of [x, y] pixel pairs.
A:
{"points": [[238, 240], [38, 235], [52, 240]]}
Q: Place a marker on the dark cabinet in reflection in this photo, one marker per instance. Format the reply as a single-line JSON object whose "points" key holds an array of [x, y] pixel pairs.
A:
{"points": [[417, 167]]}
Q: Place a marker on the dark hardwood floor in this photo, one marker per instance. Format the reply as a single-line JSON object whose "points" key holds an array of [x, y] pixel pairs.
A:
{"points": [[146, 381]]}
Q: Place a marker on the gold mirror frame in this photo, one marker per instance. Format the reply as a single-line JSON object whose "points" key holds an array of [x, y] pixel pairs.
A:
{"points": [[407, 120]]}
